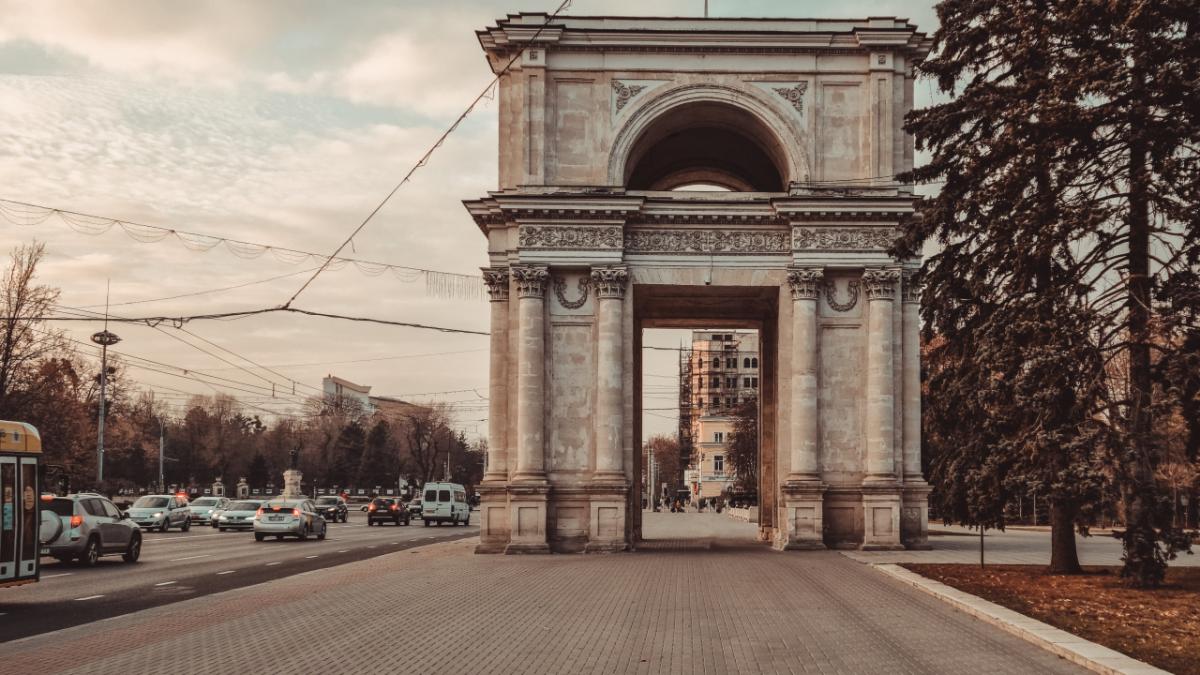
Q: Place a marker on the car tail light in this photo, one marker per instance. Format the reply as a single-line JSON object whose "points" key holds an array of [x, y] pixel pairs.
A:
{"points": [[258, 512], [393, 507], [76, 521], [296, 512], [371, 507]]}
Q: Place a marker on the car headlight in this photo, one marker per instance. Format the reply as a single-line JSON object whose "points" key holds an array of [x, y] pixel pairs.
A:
{"points": [[157, 515]]}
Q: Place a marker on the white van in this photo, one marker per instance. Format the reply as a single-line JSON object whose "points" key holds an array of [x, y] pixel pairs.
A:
{"points": [[445, 503]]}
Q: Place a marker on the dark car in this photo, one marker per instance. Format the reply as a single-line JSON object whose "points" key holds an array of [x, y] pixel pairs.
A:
{"points": [[382, 510], [333, 508]]}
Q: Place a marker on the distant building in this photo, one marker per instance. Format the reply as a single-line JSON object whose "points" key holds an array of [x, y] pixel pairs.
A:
{"points": [[339, 390]]}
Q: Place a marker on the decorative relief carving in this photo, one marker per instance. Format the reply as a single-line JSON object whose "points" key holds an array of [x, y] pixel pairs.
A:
{"points": [[910, 286], [531, 281], [794, 95], [570, 237], [560, 292], [625, 92], [843, 238], [831, 296], [805, 282], [610, 282], [703, 242], [881, 284], [496, 279]]}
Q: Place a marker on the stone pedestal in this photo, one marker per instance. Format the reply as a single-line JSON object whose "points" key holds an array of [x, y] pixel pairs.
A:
{"points": [[914, 516], [291, 483], [802, 524], [242, 489], [881, 518], [606, 531], [527, 518], [493, 517], [218, 488]]}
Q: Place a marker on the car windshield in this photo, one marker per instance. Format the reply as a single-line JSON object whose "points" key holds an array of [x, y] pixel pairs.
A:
{"points": [[205, 501], [327, 501], [242, 506], [281, 505], [150, 503], [383, 502]]}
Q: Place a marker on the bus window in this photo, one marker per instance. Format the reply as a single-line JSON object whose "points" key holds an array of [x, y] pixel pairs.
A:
{"points": [[8, 518], [29, 517]]}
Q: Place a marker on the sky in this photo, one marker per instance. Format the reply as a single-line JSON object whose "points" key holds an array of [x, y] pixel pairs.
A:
{"points": [[283, 123]]}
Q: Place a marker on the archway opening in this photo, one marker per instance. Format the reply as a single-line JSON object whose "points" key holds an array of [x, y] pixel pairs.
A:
{"points": [[707, 143]]}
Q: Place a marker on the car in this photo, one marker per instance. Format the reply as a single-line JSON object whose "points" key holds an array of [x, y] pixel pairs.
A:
{"points": [[383, 510], [445, 503], [161, 512], [238, 515], [414, 507], [333, 508], [86, 526], [203, 508], [288, 517]]}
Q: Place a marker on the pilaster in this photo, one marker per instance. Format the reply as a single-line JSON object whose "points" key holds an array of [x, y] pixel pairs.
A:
{"points": [[608, 490], [528, 489], [881, 489]]}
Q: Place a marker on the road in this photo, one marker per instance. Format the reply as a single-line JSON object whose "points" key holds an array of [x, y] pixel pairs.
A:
{"points": [[176, 566]]}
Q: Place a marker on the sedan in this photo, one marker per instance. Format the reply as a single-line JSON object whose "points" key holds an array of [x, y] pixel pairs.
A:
{"points": [[288, 518], [238, 516], [203, 509]]}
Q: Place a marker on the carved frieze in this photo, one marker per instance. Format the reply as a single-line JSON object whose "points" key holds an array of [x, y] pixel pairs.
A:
{"points": [[496, 279], [531, 280], [842, 238], [560, 292], [805, 282], [794, 95], [706, 241], [570, 237], [610, 282], [881, 283]]}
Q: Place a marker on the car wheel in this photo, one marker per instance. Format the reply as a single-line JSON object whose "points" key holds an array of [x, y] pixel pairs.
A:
{"points": [[166, 525], [467, 522], [259, 536], [187, 525], [135, 549], [220, 529], [426, 522], [91, 553], [303, 533], [321, 537], [370, 522]]}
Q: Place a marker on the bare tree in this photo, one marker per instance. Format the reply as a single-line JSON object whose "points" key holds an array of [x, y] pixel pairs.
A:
{"points": [[22, 340]]}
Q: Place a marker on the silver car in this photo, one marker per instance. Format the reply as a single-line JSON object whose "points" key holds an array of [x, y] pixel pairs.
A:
{"points": [[161, 512], [288, 517], [202, 509], [86, 526], [238, 515]]}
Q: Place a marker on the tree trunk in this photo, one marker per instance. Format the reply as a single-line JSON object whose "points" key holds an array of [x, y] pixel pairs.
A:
{"points": [[1064, 558]]}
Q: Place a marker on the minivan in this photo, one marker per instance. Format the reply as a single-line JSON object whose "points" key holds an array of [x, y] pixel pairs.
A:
{"points": [[445, 503]]}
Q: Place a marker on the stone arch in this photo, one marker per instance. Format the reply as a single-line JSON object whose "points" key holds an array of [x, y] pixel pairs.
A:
{"points": [[730, 115]]}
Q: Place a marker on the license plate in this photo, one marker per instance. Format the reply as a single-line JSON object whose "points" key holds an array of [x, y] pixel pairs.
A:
{"points": [[45, 550], [275, 518]]}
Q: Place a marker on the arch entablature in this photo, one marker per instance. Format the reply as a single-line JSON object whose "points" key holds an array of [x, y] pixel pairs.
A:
{"points": [[786, 144]]}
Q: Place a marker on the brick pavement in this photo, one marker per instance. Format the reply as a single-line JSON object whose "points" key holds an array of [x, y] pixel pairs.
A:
{"points": [[737, 607]]}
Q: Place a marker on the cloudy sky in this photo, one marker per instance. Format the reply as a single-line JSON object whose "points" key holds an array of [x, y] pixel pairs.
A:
{"points": [[285, 123]]}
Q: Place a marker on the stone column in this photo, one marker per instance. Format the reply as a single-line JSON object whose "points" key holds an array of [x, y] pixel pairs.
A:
{"points": [[802, 522], [493, 509], [528, 489], [914, 517], [881, 492], [607, 491]]}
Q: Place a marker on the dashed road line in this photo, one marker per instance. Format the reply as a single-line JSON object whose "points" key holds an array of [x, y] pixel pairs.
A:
{"points": [[344, 550], [90, 597], [51, 576], [191, 557], [164, 583], [272, 563], [226, 572], [309, 557]]}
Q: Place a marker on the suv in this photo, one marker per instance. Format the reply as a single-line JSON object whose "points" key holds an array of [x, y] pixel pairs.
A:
{"points": [[332, 508], [86, 526], [161, 512], [382, 511]]}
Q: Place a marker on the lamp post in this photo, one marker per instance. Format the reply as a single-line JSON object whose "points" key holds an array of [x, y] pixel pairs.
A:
{"points": [[104, 338]]}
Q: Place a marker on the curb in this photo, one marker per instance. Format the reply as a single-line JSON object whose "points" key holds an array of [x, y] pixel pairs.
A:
{"points": [[1094, 657]]}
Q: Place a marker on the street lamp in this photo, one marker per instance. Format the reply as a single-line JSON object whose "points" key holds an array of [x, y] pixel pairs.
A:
{"points": [[104, 338]]}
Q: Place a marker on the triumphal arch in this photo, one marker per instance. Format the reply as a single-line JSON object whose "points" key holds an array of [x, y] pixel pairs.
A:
{"points": [[594, 235]]}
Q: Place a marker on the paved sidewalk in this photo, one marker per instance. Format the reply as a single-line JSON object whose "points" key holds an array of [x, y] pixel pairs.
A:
{"points": [[735, 608]]}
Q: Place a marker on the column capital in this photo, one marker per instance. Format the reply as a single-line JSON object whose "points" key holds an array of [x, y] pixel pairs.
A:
{"points": [[496, 280], [911, 286], [531, 280], [805, 282], [610, 282], [880, 283]]}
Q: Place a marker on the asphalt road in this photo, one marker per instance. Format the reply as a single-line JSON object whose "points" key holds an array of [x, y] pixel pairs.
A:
{"points": [[177, 565]]}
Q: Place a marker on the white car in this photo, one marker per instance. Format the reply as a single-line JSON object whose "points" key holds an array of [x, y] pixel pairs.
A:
{"points": [[238, 515], [445, 503], [281, 517], [202, 509]]}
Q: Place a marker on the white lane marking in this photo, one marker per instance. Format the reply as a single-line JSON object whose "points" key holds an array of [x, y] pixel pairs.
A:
{"points": [[164, 583], [193, 536], [272, 563], [51, 576], [226, 572], [90, 597], [309, 557], [191, 557], [370, 547], [343, 550]]}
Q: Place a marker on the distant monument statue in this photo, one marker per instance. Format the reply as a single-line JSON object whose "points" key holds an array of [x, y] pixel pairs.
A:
{"points": [[218, 488], [243, 488], [291, 477]]}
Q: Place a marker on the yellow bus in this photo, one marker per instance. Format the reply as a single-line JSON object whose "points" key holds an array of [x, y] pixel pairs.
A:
{"points": [[20, 467]]}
